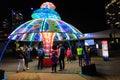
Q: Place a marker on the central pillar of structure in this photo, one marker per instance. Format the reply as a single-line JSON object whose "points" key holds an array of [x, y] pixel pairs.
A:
{"points": [[48, 38]]}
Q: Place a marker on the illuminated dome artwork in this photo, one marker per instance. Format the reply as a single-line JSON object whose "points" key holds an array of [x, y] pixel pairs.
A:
{"points": [[45, 26], [26, 31]]}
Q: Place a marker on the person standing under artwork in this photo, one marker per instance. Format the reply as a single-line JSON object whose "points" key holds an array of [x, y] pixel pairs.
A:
{"points": [[80, 55], [89, 54], [54, 60], [68, 55], [41, 54], [61, 55], [21, 61], [26, 57]]}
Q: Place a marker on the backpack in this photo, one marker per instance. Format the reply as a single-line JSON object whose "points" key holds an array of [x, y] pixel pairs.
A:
{"points": [[54, 59], [40, 53]]}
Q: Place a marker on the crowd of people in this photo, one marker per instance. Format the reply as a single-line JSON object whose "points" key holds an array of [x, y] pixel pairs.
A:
{"points": [[58, 57]]}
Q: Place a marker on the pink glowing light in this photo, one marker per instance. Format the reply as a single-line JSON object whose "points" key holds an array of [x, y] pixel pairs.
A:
{"points": [[48, 5]]}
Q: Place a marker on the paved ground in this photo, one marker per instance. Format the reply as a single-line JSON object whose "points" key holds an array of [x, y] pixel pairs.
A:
{"points": [[107, 70]]}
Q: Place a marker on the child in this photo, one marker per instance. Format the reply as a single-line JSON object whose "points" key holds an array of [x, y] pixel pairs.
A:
{"points": [[54, 60]]}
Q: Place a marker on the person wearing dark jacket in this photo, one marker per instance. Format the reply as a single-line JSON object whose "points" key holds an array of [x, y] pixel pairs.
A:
{"points": [[20, 56], [41, 54], [61, 55], [26, 57]]}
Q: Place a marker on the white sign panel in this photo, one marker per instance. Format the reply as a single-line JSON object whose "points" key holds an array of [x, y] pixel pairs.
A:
{"points": [[105, 49]]}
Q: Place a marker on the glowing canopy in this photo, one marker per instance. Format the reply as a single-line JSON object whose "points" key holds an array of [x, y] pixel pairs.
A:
{"points": [[47, 20], [30, 30]]}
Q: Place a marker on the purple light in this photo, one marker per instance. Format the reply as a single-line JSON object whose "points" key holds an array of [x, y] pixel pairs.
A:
{"points": [[13, 13], [31, 8]]}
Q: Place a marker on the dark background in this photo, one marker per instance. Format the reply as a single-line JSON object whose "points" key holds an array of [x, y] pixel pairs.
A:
{"points": [[86, 15]]}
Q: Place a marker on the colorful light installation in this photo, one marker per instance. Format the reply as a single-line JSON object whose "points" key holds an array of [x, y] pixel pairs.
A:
{"points": [[30, 30], [45, 26]]}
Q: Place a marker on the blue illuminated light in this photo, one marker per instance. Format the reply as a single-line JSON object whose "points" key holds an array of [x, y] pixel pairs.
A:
{"points": [[45, 13]]}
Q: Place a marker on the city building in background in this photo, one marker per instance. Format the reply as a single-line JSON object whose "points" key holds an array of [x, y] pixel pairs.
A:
{"points": [[17, 19], [113, 19], [113, 13], [9, 24]]}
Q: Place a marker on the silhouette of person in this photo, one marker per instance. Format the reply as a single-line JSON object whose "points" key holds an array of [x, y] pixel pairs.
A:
{"points": [[61, 55], [41, 54], [80, 55], [54, 60], [21, 61], [68, 55]]}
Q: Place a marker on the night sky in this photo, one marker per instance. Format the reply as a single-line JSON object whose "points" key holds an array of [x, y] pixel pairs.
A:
{"points": [[86, 15]]}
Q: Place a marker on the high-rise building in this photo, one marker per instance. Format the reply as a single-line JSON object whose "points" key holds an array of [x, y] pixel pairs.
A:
{"points": [[113, 13], [17, 19]]}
